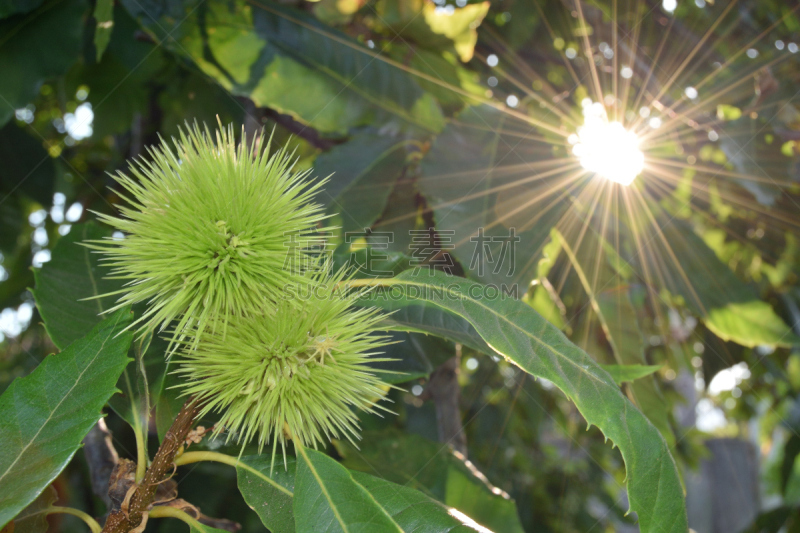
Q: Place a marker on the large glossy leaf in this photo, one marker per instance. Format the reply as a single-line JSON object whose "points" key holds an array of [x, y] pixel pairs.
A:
{"points": [[515, 331], [362, 174], [480, 179], [330, 498], [45, 415], [421, 464], [268, 488], [270, 491], [286, 60], [412, 510], [34, 46], [422, 23]]}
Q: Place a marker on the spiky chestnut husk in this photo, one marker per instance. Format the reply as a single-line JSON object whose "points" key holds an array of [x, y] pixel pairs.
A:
{"points": [[206, 229], [291, 372]]}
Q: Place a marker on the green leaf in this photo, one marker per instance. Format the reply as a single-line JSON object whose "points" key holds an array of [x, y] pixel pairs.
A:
{"points": [[518, 333], [422, 23], [268, 489], [287, 60], [35, 46], [32, 519], [65, 293], [45, 415], [490, 205], [750, 324], [410, 508], [270, 492], [621, 325], [730, 308], [421, 464], [329, 498], [362, 174], [628, 373], [415, 355], [104, 17], [411, 314], [64, 284]]}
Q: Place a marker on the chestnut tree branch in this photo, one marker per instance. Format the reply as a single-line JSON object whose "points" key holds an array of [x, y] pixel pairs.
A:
{"points": [[132, 513]]}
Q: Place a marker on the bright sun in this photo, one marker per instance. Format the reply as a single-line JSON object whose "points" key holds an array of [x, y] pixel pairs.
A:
{"points": [[607, 148]]}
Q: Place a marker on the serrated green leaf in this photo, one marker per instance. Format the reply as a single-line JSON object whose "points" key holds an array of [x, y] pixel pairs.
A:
{"points": [[418, 463], [45, 415], [518, 333], [65, 293]]}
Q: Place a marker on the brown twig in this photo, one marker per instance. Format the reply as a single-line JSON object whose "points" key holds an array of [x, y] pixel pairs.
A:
{"points": [[301, 130], [132, 514]]}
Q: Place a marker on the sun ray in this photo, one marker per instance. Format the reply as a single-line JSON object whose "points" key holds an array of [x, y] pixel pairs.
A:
{"points": [[668, 85], [588, 52], [654, 135], [662, 186], [717, 171], [670, 252], [553, 36], [791, 224], [563, 114]]}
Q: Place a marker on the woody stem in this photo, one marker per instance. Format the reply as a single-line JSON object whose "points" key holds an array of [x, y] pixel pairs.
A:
{"points": [[121, 521]]}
